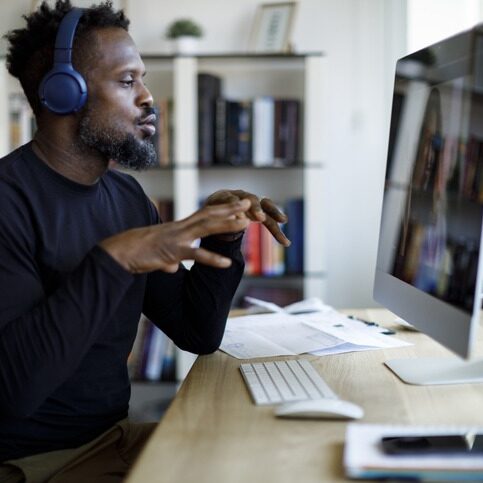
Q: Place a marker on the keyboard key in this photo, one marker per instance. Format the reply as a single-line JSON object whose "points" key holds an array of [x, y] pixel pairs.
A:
{"points": [[280, 382]]}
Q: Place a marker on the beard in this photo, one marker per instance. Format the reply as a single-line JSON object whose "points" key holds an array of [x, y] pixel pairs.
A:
{"points": [[114, 143]]}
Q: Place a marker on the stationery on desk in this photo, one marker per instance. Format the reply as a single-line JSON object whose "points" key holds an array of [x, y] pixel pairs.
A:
{"points": [[308, 326], [364, 456]]}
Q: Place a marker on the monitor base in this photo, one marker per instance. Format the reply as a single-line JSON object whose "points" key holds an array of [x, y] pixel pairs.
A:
{"points": [[431, 370]]}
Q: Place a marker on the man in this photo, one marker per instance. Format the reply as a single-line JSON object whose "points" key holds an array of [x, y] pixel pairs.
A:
{"points": [[82, 255]]}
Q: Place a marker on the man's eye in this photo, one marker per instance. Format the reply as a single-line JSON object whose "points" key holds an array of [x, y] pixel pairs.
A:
{"points": [[127, 83]]}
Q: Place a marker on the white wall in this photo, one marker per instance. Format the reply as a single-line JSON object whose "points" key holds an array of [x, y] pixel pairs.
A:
{"points": [[362, 39], [447, 18]]}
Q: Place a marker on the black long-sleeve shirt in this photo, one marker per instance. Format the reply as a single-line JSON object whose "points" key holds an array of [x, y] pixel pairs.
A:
{"points": [[69, 312]]}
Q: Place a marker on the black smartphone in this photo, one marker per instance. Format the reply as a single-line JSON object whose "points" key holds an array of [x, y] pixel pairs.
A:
{"points": [[446, 444]]}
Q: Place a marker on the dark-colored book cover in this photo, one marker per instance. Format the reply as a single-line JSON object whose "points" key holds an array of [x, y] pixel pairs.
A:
{"points": [[220, 131], [294, 230], [239, 133], [286, 131], [233, 132], [209, 89]]}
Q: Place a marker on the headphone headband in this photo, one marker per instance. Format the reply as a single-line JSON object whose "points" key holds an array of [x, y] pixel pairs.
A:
{"points": [[63, 90], [64, 41]]}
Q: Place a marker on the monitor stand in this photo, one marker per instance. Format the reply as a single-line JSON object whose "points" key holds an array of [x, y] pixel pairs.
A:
{"points": [[431, 370]]}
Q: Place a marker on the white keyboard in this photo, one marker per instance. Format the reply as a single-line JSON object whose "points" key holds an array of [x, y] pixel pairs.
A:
{"points": [[276, 382]]}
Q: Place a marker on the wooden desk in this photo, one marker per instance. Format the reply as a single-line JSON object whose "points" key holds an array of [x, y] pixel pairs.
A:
{"points": [[213, 433]]}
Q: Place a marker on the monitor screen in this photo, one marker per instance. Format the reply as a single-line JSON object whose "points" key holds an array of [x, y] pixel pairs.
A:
{"points": [[431, 223]]}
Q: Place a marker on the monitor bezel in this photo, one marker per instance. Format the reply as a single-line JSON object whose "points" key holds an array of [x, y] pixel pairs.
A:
{"points": [[449, 325]]}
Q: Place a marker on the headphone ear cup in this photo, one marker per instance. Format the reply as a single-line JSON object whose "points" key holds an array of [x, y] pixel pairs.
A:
{"points": [[63, 90]]}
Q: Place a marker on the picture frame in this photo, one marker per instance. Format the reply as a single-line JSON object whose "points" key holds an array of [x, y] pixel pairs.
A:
{"points": [[272, 28]]}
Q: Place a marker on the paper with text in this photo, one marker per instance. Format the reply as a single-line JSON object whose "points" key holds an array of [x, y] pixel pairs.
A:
{"points": [[320, 332]]}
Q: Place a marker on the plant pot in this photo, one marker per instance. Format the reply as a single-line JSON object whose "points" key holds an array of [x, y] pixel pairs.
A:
{"points": [[186, 45]]}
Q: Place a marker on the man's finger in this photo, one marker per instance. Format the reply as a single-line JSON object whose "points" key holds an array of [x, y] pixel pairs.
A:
{"points": [[223, 211], [201, 255], [255, 213], [221, 197], [210, 226], [275, 230], [271, 209]]}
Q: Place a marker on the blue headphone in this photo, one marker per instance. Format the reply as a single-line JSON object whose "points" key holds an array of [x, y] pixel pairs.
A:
{"points": [[63, 90]]}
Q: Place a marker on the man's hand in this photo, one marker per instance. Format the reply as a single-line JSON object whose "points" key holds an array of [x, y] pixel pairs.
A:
{"points": [[164, 246], [262, 211]]}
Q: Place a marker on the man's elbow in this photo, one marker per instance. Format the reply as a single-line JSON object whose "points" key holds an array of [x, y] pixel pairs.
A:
{"points": [[202, 347]]}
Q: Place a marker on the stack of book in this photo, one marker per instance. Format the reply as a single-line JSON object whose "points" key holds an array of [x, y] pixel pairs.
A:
{"points": [[265, 256], [264, 131]]}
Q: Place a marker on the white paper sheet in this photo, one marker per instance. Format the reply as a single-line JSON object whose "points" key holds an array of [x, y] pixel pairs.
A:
{"points": [[321, 331]]}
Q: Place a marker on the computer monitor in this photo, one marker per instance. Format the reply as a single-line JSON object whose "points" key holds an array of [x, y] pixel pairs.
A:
{"points": [[429, 268]]}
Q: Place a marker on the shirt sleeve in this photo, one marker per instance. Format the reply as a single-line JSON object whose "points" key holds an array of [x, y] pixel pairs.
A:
{"points": [[43, 337], [191, 306]]}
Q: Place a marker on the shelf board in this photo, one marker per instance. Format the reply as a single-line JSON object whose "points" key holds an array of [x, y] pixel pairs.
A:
{"points": [[229, 55], [220, 167], [267, 168], [235, 55], [285, 276]]}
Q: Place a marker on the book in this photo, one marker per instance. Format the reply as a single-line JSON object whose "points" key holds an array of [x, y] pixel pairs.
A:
{"points": [[286, 131], [294, 230], [251, 249], [238, 133], [233, 128], [272, 254], [266, 247], [263, 131], [364, 458], [156, 355], [220, 131], [165, 107], [209, 89], [168, 372]]}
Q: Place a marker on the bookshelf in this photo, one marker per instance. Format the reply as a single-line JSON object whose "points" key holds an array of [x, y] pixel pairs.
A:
{"points": [[245, 76]]}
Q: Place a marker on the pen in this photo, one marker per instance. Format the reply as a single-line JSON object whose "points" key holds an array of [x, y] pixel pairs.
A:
{"points": [[372, 324], [367, 322]]}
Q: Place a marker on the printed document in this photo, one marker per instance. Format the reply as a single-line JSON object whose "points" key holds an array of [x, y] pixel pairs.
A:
{"points": [[308, 326]]}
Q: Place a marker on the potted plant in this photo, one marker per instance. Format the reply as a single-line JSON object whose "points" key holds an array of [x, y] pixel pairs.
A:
{"points": [[185, 34]]}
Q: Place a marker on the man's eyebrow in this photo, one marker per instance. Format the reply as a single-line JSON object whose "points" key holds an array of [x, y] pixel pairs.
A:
{"points": [[130, 70]]}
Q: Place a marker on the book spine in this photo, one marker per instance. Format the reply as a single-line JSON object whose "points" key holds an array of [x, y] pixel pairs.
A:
{"points": [[294, 229], [155, 357], [263, 125], [168, 372], [220, 131], [164, 133], [209, 89], [267, 252], [251, 249]]}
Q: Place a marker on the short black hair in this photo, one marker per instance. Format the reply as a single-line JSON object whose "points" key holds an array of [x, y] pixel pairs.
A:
{"points": [[31, 49]]}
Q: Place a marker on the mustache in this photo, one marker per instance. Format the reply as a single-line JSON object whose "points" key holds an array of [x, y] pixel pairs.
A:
{"points": [[148, 112]]}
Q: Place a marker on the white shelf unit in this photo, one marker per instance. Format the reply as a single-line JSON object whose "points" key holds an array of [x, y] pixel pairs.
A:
{"points": [[244, 76]]}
